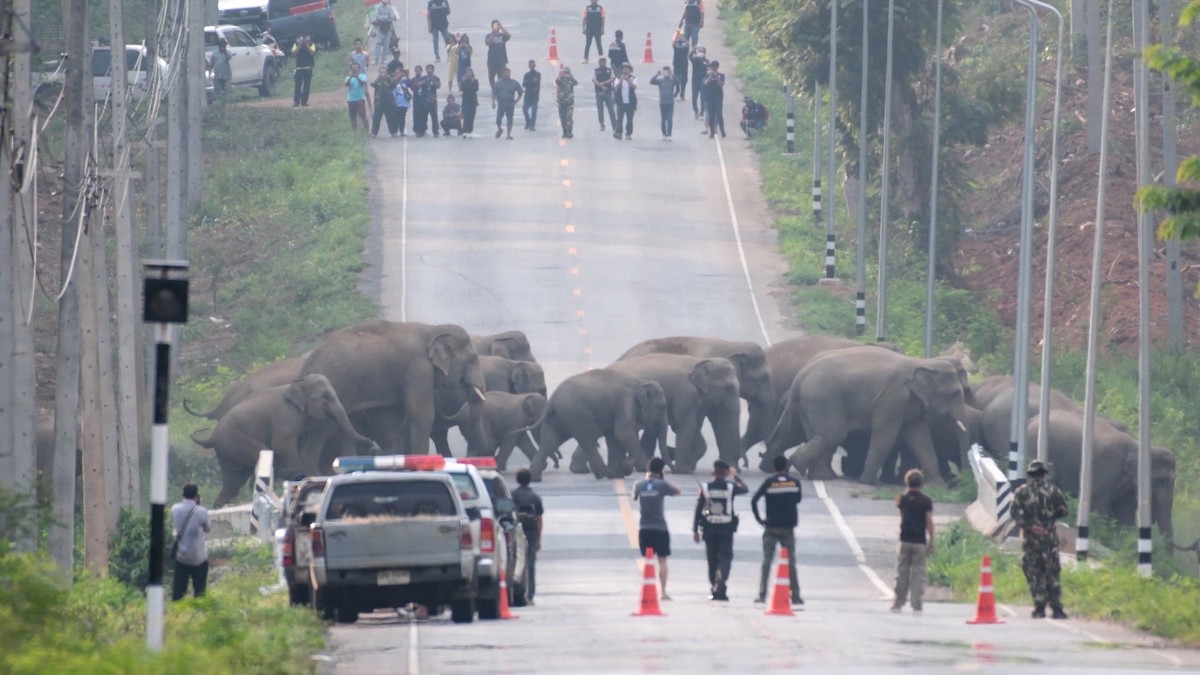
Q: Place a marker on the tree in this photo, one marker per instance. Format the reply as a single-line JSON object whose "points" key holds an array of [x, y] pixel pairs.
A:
{"points": [[1181, 204]]}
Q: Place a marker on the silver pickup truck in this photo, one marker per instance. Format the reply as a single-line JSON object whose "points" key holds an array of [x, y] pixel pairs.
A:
{"points": [[385, 539]]}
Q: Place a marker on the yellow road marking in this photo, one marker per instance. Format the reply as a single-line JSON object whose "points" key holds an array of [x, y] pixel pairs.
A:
{"points": [[626, 513], [583, 331], [577, 292], [587, 350], [563, 162], [566, 182], [571, 250], [568, 204], [579, 313], [570, 228], [575, 271]]}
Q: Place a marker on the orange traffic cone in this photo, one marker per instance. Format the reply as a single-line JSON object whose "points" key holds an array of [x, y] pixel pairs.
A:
{"points": [[649, 589], [985, 611], [504, 610], [648, 57], [781, 603], [553, 58]]}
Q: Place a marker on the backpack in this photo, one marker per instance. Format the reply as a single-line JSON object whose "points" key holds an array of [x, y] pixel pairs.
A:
{"points": [[691, 11]]}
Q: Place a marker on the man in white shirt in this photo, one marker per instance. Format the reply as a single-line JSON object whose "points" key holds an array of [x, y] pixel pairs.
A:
{"points": [[626, 95], [190, 521]]}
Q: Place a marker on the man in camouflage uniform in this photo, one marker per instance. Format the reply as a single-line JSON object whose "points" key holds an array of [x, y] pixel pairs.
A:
{"points": [[1036, 505], [565, 92]]}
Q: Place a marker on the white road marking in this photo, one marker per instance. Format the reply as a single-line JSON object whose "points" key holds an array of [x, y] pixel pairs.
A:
{"points": [[737, 235], [414, 658], [848, 535]]}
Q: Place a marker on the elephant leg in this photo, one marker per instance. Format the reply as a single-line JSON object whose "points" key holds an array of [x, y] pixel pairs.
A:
{"points": [[806, 457], [547, 445], [589, 450], [441, 441], [579, 462], [505, 451], [884, 431], [687, 444], [620, 464], [232, 480], [419, 428], [916, 435]]}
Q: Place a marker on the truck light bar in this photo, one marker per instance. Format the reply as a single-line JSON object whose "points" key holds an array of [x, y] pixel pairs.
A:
{"points": [[477, 462], [389, 463]]}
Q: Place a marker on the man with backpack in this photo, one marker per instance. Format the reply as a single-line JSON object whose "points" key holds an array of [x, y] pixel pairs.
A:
{"points": [[715, 517], [384, 19], [529, 514], [692, 20]]}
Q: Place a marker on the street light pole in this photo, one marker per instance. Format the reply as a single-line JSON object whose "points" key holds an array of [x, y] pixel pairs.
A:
{"points": [[1141, 90], [816, 158], [830, 229], [931, 271], [885, 192], [860, 256]]}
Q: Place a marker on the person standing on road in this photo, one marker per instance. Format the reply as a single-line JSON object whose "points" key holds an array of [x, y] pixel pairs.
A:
{"points": [[666, 99], [593, 28], [222, 73], [781, 493], [617, 56], [402, 95], [437, 15], [692, 20], [384, 19], [432, 84], [385, 103], [699, 62], [1035, 507], [505, 94], [420, 118], [358, 99], [533, 86], [564, 92], [305, 53], [715, 517], [464, 56], [626, 95], [603, 79], [681, 53], [190, 521], [395, 65], [360, 56], [912, 557], [452, 61], [714, 100], [470, 100], [529, 514], [497, 44], [650, 492]]}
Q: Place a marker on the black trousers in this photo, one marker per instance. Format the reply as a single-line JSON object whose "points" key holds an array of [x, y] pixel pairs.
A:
{"points": [[624, 116], [391, 114], [303, 82], [587, 44], [198, 574], [719, 547], [469, 110]]}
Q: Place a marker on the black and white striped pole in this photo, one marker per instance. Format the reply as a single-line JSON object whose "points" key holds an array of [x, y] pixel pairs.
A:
{"points": [[860, 256], [791, 120], [164, 303], [830, 216], [816, 189]]}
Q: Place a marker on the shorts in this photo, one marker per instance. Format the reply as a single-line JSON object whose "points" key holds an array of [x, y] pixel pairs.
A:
{"points": [[659, 540]]}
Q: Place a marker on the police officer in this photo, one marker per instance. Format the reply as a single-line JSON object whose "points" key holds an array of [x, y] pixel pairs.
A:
{"points": [[782, 495], [1036, 505], [715, 516]]}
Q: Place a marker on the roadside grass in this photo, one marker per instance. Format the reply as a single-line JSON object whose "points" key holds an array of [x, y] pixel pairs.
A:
{"points": [[1112, 591]]}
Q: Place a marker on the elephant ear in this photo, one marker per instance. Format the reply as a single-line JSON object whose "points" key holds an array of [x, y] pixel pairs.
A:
{"points": [[533, 405], [297, 395], [923, 384], [522, 378], [740, 359], [702, 375], [441, 352], [646, 395]]}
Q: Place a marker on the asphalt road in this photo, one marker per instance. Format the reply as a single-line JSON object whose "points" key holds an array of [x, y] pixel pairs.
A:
{"points": [[589, 246]]}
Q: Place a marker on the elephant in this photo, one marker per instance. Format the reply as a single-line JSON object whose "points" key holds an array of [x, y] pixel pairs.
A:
{"points": [[1114, 472], [295, 421], [597, 404], [513, 345], [507, 421], [274, 374], [788, 357], [990, 387], [753, 372], [946, 436], [865, 389], [696, 389], [997, 416], [401, 374], [501, 375]]}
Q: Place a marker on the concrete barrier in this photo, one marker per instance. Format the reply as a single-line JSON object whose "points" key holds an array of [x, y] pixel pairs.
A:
{"points": [[991, 511]]}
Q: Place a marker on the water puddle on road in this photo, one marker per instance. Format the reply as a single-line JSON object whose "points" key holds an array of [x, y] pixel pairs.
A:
{"points": [[976, 653]]}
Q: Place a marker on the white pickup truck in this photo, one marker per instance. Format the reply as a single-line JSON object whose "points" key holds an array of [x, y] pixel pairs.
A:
{"points": [[385, 539]]}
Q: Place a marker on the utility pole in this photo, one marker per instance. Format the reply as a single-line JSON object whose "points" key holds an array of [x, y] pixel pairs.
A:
{"points": [[129, 476], [76, 101], [177, 146], [1141, 85], [1095, 75], [860, 255], [1078, 37], [195, 105], [885, 189], [1170, 153], [816, 156], [931, 267], [830, 220]]}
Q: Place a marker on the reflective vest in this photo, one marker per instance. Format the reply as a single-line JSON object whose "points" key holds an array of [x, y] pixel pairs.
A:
{"points": [[718, 505]]}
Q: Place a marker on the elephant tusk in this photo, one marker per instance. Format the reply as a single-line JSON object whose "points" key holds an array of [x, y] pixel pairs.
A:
{"points": [[479, 392], [960, 425]]}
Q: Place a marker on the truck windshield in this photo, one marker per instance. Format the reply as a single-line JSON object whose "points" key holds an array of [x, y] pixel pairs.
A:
{"points": [[403, 499]]}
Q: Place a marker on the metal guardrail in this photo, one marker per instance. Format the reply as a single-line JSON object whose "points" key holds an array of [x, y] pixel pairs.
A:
{"points": [[991, 511]]}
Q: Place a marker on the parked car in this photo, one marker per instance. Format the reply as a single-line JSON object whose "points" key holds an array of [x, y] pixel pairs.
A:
{"points": [[49, 83], [300, 504], [383, 539], [291, 18], [253, 63], [249, 15], [516, 567]]}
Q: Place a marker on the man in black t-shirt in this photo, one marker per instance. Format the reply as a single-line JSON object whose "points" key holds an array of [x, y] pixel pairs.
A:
{"points": [[533, 85], [593, 28], [604, 78], [437, 15], [529, 514], [916, 519], [782, 494]]}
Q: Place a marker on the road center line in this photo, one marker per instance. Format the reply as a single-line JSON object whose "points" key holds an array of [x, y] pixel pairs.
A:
{"points": [[626, 512], [737, 235], [848, 535], [414, 659]]}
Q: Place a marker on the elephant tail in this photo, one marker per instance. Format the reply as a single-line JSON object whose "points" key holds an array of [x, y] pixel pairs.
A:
{"points": [[210, 415], [202, 442]]}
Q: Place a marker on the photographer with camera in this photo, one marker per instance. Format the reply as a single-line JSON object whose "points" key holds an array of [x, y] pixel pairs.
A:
{"points": [[715, 517], [437, 15], [497, 57], [667, 83], [383, 20]]}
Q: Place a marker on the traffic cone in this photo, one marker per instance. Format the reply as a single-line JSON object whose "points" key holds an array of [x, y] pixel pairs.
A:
{"points": [[985, 611], [648, 57], [649, 589], [553, 58], [504, 610], [781, 597]]}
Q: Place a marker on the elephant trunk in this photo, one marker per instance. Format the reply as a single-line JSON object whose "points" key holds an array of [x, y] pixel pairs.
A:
{"points": [[343, 421], [762, 420]]}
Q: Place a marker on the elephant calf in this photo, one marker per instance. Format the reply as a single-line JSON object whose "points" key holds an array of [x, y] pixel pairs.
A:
{"points": [[600, 404]]}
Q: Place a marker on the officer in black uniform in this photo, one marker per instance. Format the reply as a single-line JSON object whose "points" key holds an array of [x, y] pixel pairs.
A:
{"points": [[715, 516]]}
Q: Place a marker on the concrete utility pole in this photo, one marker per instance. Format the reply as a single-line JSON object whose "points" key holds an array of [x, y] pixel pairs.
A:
{"points": [[1095, 75], [830, 219], [76, 186], [885, 183], [195, 104], [860, 255], [9, 314], [177, 146], [931, 270], [1078, 37], [790, 147], [1089, 397], [816, 158], [128, 473], [1170, 153], [1141, 86]]}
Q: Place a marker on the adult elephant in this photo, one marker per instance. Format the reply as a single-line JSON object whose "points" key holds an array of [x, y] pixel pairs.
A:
{"points": [[501, 375], [868, 390], [296, 421], [599, 404], [696, 390], [753, 373], [788, 357], [990, 387], [997, 415], [274, 374], [512, 344], [399, 373], [1114, 472]]}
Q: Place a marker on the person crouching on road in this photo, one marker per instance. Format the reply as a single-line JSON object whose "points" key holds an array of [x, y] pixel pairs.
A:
{"points": [[912, 558], [715, 517], [651, 492], [782, 494], [452, 116]]}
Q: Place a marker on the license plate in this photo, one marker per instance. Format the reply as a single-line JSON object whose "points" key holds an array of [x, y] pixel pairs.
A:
{"points": [[394, 577]]}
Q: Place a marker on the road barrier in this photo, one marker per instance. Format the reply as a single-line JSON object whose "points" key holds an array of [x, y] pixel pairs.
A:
{"points": [[991, 511], [553, 57], [649, 605], [781, 597], [985, 608]]}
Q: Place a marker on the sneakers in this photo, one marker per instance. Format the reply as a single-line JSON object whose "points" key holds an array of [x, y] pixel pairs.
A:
{"points": [[510, 137], [719, 597], [1058, 613], [1039, 612], [760, 600], [895, 609], [617, 135], [798, 600]]}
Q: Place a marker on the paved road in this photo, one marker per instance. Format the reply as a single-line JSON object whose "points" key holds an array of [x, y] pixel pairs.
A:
{"points": [[590, 246]]}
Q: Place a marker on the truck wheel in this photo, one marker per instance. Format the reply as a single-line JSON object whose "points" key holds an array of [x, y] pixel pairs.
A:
{"points": [[270, 78], [462, 610], [298, 595], [346, 615], [321, 605]]}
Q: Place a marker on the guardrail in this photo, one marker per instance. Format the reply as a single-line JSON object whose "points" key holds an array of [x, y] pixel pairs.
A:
{"points": [[261, 516], [991, 511]]}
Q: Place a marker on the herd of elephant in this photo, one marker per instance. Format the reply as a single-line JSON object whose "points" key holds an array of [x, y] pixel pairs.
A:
{"points": [[394, 387]]}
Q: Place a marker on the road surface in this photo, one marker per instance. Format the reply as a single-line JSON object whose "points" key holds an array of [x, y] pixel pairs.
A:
{"points": [[589, 246]]}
